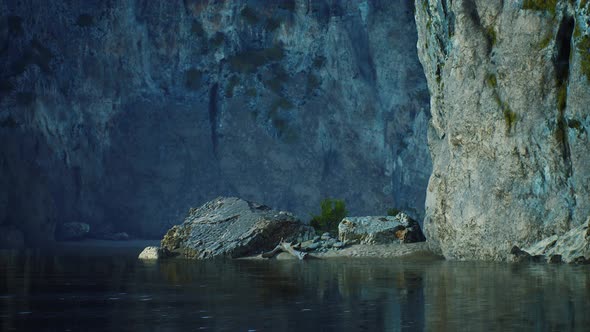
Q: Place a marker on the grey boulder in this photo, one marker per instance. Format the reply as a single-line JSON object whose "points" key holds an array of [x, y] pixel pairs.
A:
{"points": [[380, 230], [232, 227]]}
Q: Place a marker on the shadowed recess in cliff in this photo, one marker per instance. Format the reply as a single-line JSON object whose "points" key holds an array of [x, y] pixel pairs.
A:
{"points": [[213, 115], [563, 47], [362, 50], [180, 101]]}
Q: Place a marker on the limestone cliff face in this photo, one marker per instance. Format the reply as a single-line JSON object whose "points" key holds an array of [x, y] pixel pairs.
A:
{"points": [[123, 114], [509, 84]]}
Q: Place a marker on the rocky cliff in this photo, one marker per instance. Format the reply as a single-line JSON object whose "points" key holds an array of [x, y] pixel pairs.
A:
{"points": [[122, 114], [509, 84]]}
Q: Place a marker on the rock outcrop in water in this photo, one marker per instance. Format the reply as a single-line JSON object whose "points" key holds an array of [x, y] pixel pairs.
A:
{"points": [[380, 230], [123, 113], [571, 247], [233, 227], [509, 84]]}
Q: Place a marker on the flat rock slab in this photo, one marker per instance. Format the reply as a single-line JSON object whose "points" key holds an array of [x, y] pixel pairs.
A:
{"points": [[571, 247], [233, 227], [380, 230], [391, 250], [416, 250]]}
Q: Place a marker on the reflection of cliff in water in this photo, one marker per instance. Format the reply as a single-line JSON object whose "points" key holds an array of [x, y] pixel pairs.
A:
{"points": [[120, 293]]}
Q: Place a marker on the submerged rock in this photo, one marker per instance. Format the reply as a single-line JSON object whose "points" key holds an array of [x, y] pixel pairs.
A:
{"points": [[232, 227], [72, 231], [571, 247], [380, 230]]}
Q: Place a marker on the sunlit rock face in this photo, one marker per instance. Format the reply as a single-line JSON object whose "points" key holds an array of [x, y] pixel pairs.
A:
{"points": [[122, 114], [509, 84]]}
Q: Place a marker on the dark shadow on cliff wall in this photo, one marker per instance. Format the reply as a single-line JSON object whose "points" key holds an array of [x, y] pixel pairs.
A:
{"points": [[106, 110]]}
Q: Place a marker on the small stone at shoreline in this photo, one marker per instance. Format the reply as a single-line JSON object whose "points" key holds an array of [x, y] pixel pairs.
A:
{"points": [[338, 245]]}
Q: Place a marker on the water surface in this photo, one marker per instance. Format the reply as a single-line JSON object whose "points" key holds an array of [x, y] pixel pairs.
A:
{"points": [[83, 291]]}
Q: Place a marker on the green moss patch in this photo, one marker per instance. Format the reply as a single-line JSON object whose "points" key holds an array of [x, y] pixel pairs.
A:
{"points": [[491, 80], [313, 82], [575, 124], [279, 123], [319, 62], [332, 213], [272, 24], [583, 47], [541, 5], [545, 41], [234, 81], [249, 61], [510, 117], [288, 5], [393, 212], [492, 36], [85, 21], [251, 92], [278, 79], [280, 103], [218, 39], [197, 29], [249, 15], [192, 79]]}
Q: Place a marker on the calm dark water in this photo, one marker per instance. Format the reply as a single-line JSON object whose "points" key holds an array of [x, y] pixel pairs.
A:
{"points": [[93, 292]]}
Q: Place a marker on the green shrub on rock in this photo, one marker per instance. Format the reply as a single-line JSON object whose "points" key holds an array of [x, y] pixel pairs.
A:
{"points": [[332, 213], [541, 5], [393, 212]]}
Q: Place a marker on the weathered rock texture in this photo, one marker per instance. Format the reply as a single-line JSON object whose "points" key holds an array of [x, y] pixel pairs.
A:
{"points": [[72, 231], [571, 247], [233, 227], [509, 84], [380, 230], [126, 112], [150, 253]]}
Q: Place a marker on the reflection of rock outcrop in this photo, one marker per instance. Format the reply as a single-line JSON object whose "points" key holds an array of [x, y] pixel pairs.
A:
{"points": [[116, 292], [510, 120], [475, 296], [129, 112]]}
